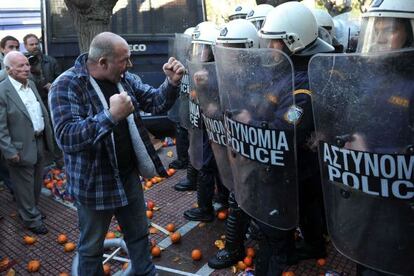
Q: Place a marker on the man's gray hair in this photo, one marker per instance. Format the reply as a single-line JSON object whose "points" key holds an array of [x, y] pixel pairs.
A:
{"points": [[9, 56]]}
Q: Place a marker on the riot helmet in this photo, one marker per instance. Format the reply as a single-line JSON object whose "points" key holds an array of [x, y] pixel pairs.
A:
{"points": [[258, 14], [294, 26], [387, 25], [238, 33], [324, 20], [240, 11], [203, 39], [189, 31]]}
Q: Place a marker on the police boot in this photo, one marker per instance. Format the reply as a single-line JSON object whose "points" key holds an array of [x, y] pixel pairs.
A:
{"points": [[182, 144], [190, 182], [205, 191], [236, 227]]}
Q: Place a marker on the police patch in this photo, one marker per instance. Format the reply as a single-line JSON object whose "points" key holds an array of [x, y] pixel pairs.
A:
{"points": [[294, 114], [224, 31], [238, 8]]}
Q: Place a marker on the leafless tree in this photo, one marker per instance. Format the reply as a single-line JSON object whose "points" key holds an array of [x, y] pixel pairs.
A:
{"points": [[274, 3], [90, 18]]}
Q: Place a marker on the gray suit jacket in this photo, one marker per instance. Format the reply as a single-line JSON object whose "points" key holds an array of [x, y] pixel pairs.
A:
{"points": [[16, 128]]}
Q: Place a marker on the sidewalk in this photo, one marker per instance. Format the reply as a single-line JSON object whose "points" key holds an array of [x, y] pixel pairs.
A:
{"points": [[170, 206]]}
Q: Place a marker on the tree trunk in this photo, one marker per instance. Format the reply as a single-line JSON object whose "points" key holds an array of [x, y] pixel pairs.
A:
{"points": [[274, 3], [90, 17]]}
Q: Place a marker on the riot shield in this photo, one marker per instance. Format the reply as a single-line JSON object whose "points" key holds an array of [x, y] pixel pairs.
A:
{"points": [[180, 49], [363, 109], [256, 92], [195, 126], [206, 87]]}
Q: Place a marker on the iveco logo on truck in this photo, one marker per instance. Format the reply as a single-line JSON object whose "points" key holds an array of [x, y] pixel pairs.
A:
{"points": [[137, 47]]}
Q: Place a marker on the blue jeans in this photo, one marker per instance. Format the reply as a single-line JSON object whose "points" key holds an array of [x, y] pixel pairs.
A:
{"points": [[94, 225]]}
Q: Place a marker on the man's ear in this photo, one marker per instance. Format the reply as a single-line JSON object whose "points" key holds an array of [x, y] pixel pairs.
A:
{"points": [[103, 62]]}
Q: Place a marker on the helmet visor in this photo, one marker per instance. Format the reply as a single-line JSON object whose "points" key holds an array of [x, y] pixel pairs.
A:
{"points": [[380, 34], [257, 23], [202, 52]]}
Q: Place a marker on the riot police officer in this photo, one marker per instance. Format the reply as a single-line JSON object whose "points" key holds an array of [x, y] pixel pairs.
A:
{"points": [[292, 28], [201, 155], [388, 26], [239, 12], [238, 33]]}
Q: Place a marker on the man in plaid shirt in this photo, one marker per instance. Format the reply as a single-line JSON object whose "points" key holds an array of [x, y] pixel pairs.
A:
{"points": [[95, 112]]}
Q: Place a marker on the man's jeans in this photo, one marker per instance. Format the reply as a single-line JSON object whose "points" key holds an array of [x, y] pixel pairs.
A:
{"points": [[94, 225]]}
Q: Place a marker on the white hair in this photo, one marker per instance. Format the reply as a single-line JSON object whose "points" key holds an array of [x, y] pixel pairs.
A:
{"points": [[9, 57]]}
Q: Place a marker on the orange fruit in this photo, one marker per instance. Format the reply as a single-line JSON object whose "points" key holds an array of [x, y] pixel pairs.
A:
{"points": [[148, 184], [29, 240], [154, 180], [321, 262], [64, 274], [241, 265], [248, 261], [49, 185], [171, 171], [69, 247], [118, 228], [150, 204], [62, 239], [170, 227], [250, 252], [110, 235], [175, 237], [107, 269], [196, 254], [222, 215], [149, 214], [288, 273], [156, 251], [125, 266], [33, 266]]}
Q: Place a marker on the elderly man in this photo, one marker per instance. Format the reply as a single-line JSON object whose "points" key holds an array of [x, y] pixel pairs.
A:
{"points": [[25, 133], [95, 112]]}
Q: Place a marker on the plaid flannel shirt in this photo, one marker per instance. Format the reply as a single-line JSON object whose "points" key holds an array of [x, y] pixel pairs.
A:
{"points": [[83, 126]]}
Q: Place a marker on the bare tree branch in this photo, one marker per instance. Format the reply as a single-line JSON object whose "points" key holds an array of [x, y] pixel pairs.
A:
{"points": [[90, 18]]}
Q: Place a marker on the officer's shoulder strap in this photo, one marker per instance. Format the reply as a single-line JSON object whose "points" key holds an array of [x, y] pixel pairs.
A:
{"points": [[302, 91]]}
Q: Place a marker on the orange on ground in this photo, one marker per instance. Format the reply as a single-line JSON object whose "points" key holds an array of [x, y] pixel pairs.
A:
{"points": [[196, 255], [248, 261], [171, 171], [62, 239], [288, 273], [29, 240], [222, 215], [175, 237], [156, 251], [149, 214], [170, 227], [321, 262], [69, 247], [110, 235], [107, 269], [150, 204], [33, 266], [148, 184], [250, 252]]}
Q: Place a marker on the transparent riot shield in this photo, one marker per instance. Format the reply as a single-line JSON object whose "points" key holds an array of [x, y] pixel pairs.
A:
{"points": [[195, 125], [363, 109], [206, 87], [179, 48], [256, 92]]}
